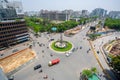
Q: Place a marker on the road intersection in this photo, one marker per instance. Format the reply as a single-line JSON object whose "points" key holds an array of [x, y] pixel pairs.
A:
{"points": [[70, 67]]}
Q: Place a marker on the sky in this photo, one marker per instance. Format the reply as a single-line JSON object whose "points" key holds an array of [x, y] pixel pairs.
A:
{"points": [[76, 5]]}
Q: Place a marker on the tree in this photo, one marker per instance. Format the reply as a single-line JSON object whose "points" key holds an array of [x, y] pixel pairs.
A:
{"points": [[94, 70], [113, 23], [87, 73], [116, 63]]}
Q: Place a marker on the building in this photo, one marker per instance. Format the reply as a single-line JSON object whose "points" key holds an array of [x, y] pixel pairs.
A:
{"points": [[7, 13], [54, 15], [114, 14], [12, 32], [99, 12], [2, 75], [13, 29], [17, 6], [3, 4], [84, 13], [31, 13], [75, 14]]}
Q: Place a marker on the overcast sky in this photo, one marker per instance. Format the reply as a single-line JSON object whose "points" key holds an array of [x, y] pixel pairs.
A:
{"points": [[37, 5]]}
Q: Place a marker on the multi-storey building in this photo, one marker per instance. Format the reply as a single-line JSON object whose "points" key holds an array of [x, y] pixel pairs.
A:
{"points": [[17, 5], [54, 15], [84, 13], [99, 12], [7, 13], [114, 14], [3, 3], [13, 29], [13, 32]]}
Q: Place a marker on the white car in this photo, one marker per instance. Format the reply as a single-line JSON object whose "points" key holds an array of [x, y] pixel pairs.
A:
{"points": [[68, 54]]}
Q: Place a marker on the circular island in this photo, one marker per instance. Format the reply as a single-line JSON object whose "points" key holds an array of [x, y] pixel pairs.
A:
{"points": [[61, 46]]}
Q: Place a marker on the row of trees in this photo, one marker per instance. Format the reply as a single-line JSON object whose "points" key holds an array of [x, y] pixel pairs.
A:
{"points": [[42, 25], [112, 23]]}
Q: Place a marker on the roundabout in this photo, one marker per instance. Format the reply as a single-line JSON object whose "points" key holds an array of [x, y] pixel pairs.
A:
{"points": [[61, 47]]}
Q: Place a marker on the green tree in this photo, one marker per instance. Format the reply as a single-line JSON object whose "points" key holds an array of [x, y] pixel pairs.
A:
{"points": [[87, 73], [94, 70], [116, 63], [113, 23]]}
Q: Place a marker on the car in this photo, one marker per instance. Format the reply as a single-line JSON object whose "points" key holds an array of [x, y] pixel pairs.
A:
{"points": [[98, 52], [15, 50], [80, 47], [37, 66], [51, 39], [11, 78], [73, 49], [68, 54]]}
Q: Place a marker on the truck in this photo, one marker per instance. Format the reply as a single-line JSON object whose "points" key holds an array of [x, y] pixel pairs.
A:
{"points": [[53, 62]]}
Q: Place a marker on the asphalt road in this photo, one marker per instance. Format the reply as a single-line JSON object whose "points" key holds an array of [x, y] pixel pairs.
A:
{"points": [[69, 68]]}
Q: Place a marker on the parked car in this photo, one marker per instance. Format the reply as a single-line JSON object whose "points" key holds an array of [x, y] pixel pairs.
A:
{"points": [[37, 66]]}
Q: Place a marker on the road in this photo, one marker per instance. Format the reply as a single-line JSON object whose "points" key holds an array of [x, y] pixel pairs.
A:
{"points": [[98, 47], [69, 68]]}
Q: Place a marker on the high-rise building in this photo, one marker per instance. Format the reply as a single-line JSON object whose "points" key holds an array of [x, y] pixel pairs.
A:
{"points": [[99, 12], [114, 14]]}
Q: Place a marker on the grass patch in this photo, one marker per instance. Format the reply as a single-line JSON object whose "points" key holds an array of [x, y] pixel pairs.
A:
{"points": [[69, 46]]}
